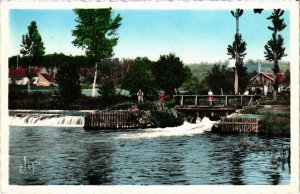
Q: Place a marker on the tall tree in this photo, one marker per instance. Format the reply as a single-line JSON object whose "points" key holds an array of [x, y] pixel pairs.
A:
{"points": [[237, 49], [32, 47], [170, 73], [140, 76], [96, 33], [219, 78], [69, 84], [274, 49]]}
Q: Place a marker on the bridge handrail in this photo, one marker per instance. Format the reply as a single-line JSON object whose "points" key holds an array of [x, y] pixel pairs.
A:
{"points": [[194, 95]]}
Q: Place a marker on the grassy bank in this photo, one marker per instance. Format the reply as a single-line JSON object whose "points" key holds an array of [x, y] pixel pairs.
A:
{"points": [[274, 115]]}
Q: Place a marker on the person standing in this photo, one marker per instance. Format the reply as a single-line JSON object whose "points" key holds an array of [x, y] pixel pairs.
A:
{"points": [[265, 90], [161, 97], [140, 96], [210, 97]]}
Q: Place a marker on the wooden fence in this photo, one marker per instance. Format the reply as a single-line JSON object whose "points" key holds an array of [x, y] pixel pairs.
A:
{"points": [[110, 120], [239, 125]]}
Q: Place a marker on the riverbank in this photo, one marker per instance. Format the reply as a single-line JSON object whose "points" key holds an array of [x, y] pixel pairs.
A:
{"points": [[274, 118]]}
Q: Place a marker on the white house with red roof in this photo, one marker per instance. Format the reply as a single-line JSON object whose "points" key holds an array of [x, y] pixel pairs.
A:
{"points": [[265, 81], [18, 76]]}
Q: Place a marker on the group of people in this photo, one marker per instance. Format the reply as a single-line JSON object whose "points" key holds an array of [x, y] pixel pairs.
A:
{"points": [[140, 96]]}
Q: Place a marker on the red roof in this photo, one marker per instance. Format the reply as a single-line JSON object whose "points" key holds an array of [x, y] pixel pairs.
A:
{"points": [[18, 72], [47, 77], [21, 72], [36, 71], [280, 77]]}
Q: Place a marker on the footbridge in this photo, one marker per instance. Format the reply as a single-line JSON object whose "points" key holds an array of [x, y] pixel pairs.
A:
{"points": [[222, 105]]}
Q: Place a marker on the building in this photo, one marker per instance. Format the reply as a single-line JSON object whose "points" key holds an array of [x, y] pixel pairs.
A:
{"points": [[263, 83], [18, 76]]}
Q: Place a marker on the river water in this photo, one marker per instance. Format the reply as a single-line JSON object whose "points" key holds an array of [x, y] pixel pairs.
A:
{"points": [[60, 155]]}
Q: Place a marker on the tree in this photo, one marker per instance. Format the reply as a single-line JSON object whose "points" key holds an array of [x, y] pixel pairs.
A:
{"points": [[96, 33], [140, 76], [169, 72], [274, 49], [237, 49], [69, 84], [32, 47], [191, 84], [219, 77], [287, 77]]}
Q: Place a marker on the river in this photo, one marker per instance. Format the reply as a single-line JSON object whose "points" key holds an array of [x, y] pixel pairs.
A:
{"points": [[61, 155]]}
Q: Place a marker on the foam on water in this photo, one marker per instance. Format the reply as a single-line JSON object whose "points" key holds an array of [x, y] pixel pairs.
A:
{"points": [[46, 120], [187, 129]]}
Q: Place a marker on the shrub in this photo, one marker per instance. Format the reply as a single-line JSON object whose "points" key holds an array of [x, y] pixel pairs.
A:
{"points": [[164, 119], [170, 103], [122, 106], [275, 125]]}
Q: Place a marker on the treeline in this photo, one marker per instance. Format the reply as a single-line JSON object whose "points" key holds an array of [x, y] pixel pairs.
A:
{"points": [[199, 69]]}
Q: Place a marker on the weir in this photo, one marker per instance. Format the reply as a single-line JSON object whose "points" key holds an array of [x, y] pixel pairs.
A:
{"points": [[58, 120]]}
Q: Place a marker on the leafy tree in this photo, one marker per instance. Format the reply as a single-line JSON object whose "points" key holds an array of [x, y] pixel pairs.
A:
{"points": [[32, 47], [139, 76], [274, 49], [244, 78], [96, 33], [287, 77], [170, 73], [237, 49], [69, 84], [107, 89], [219, 77]]}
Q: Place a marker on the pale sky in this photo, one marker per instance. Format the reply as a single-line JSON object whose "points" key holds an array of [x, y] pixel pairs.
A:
{"points": [[193, 35]]}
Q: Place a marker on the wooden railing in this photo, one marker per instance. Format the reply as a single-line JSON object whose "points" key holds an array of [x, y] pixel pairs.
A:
{"points": [[219, 100]]}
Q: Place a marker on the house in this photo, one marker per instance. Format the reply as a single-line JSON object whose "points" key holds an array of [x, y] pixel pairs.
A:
{"points": [[264, 82], [17, 76], [40, 77]]}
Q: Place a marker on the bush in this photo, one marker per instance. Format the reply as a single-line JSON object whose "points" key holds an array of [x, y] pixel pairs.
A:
{"points": [[170, 103], [122, 106], [275, 125], [147, 106], [164, 119]]}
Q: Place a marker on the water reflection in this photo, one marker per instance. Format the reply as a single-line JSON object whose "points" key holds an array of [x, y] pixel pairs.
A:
{"points": [[72, 156]]}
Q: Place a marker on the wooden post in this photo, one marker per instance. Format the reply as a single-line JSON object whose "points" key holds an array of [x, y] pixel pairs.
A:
{"points": [[181, 101], [196, 100], [241, 100], [226, 101]]}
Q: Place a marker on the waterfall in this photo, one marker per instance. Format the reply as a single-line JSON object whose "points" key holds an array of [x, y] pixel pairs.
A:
{"points": [[58, 120], [94, 84]]}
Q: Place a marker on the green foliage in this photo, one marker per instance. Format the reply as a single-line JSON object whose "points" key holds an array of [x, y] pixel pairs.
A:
{"points": [[274, 49], [244, 78], [237, 49], [140, 76], [170, 103], [32, 47], [69, 84], [96, 32], [107, 89], [32, 44], [287, 77], [170, 73], [219, 77], [275, 125], [191, 84], [164, 119]]}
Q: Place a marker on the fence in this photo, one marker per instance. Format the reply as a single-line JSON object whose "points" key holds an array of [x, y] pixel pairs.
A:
{"points": [[239, 125], [110, 120]]}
